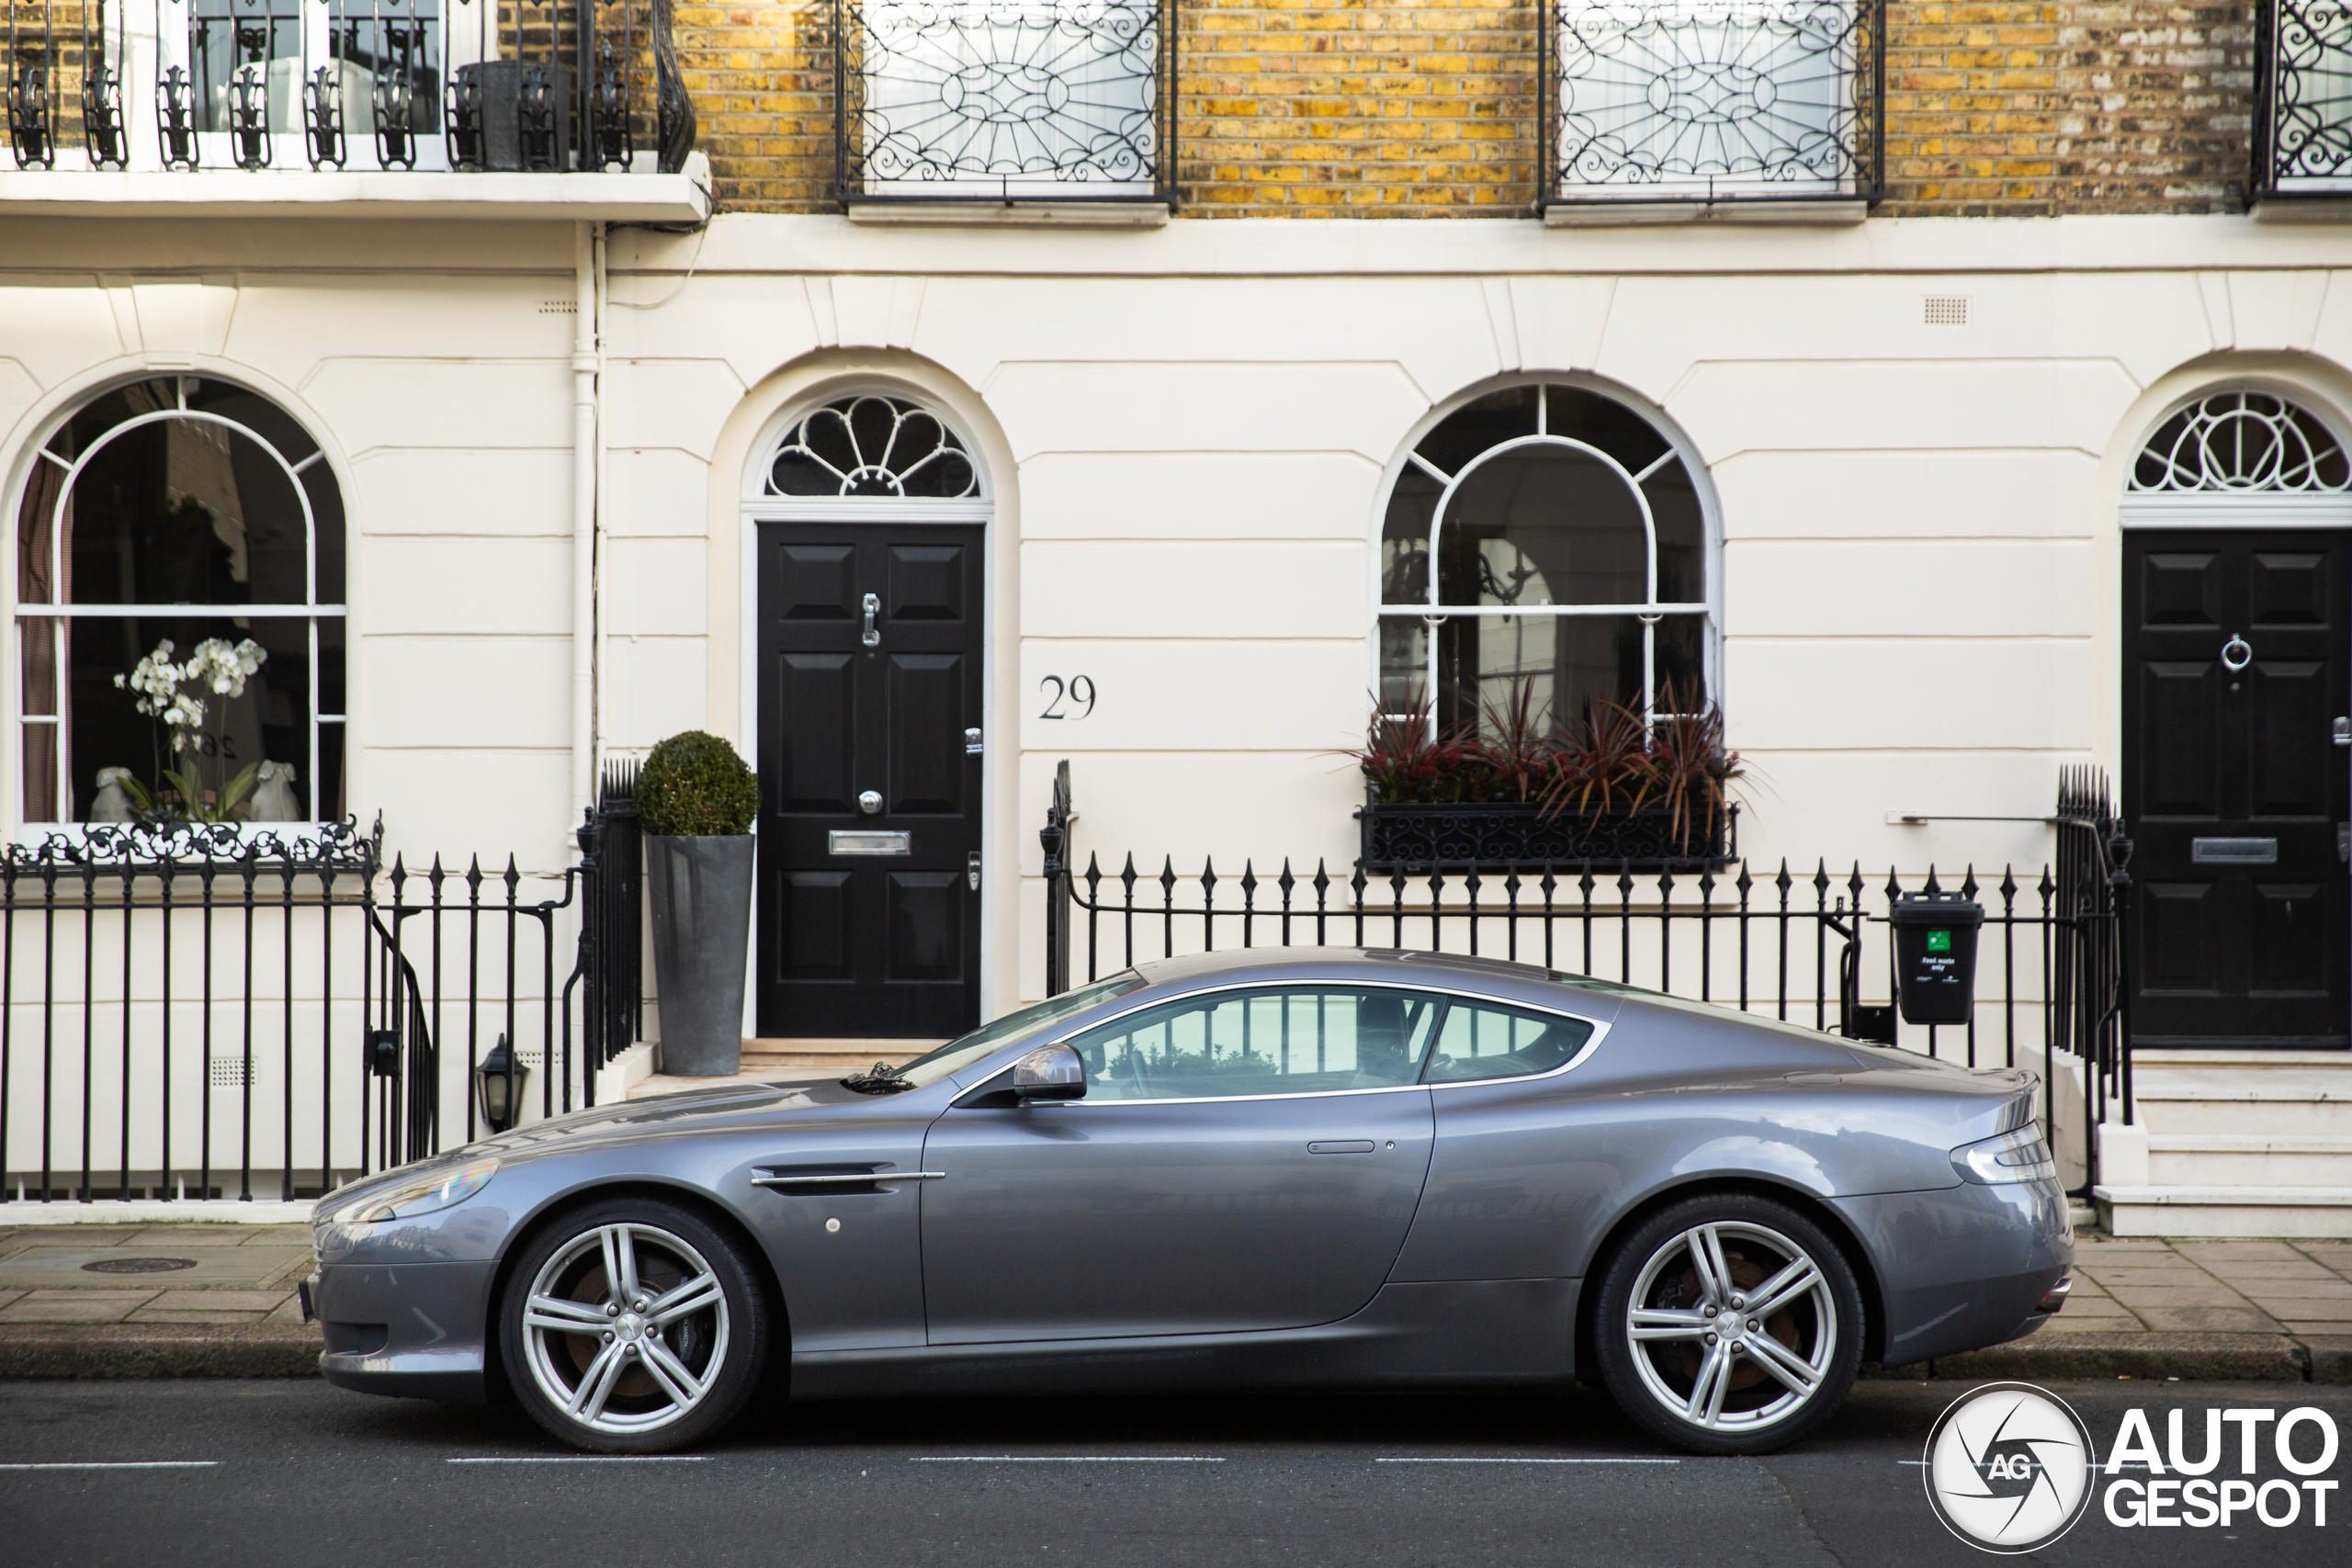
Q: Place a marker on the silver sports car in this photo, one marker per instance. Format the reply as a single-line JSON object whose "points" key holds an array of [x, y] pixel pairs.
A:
{"points": [[1300, 1166]]}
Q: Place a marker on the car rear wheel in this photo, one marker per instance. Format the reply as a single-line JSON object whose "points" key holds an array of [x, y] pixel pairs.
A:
{"points": [[632, 1326], [1729, 1325]]}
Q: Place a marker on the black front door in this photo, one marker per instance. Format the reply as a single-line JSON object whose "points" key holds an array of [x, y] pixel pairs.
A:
{"points": [[870, 658], [2234, 785]]}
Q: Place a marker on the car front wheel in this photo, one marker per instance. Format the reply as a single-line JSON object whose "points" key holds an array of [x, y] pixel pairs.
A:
{"points": [[1729, 1324], [632, 1326]]}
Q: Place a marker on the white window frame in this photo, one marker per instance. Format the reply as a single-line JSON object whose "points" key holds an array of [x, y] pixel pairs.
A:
{"points": [[59, 614], [1435, 613]]}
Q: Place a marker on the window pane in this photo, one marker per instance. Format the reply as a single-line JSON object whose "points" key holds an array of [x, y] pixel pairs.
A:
{"points": [[1405, 540], [1404, 664], [396, 44], [1568, 663], [1477, 425], [1681, 535], [1604, 422], [1543, 525], [1480, 1039], [1297, 1040]]}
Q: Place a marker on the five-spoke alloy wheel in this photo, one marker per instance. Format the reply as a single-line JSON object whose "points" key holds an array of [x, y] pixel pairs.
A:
{"points": [[1728, 1324], [632, 1326]]}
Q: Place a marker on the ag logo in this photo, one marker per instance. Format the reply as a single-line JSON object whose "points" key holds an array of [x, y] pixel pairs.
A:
{"points": [[2009, 1468]]}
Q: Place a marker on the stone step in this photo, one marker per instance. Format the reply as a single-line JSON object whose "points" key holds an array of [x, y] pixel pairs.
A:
{"points": [[2240, 1061], [847, 1054], [2253, 1160], [2291, 1102], [2226, 1211]]}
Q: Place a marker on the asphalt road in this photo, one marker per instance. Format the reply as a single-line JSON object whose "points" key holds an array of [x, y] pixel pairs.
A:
{"points": [[259, 1473]]}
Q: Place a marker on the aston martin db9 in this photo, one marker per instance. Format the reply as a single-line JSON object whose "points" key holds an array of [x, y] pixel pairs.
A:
{"points": [[1320, 1166]]}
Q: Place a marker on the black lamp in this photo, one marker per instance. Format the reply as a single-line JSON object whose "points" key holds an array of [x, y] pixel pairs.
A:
{"points": [[499, 1081]]}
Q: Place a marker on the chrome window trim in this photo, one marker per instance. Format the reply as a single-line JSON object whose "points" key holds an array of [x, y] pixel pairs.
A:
{"points": [[1599, 1032]]}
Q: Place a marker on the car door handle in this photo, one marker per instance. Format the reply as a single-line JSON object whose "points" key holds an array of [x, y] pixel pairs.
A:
{"points": [[1342, 1146]]}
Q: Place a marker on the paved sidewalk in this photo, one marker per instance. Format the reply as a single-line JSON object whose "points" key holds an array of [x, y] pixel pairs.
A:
{"points": [[198, 1299]]}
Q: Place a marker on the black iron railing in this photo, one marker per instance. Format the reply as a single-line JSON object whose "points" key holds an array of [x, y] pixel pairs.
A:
{"points": [[2303, 99], [1713, 101], [400, 84], [198, 1011], [1797, 946], [1005, 100]]}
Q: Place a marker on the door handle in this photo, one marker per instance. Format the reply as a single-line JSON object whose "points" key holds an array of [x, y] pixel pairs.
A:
{"points": [[1342, 1146], [2236, 653], [2342, 731], [972, 870], [873, 636]]}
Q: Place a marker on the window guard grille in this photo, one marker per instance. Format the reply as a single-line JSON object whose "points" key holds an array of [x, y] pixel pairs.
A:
{"points": [[1003, 100], [2302, 99], [1712, 101], [334, 84]]}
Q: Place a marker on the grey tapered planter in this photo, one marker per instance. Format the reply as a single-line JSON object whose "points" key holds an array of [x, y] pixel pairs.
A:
{"points": [[702, 931]]}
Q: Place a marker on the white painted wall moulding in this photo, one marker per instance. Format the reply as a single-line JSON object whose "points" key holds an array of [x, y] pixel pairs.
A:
{"points": [[1634, 214], [610, 196]]}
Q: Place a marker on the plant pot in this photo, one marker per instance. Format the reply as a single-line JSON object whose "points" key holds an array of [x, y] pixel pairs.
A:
{"points": [[1506, 835], [702, 931]]}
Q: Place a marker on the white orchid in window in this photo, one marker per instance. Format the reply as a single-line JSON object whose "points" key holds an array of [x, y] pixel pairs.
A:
{"points": [[222, 666]]}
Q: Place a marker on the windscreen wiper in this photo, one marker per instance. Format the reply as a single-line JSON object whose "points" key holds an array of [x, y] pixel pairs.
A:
{"points": [[880, 1078]]}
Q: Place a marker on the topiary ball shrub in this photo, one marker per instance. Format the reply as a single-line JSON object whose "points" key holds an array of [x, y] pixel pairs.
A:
{"points": [[694, 785]]}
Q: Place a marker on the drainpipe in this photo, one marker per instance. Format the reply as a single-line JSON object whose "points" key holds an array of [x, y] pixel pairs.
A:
{"points": [[587, 244]]}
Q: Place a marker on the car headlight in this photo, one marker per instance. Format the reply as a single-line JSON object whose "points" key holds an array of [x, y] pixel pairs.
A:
{"points": [[420, 1194], [2020, 1156]]}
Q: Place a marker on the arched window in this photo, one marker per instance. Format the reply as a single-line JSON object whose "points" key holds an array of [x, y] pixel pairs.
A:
{"points": [[873, 446], [1571, 562], [2241, 442], [194, 513]]}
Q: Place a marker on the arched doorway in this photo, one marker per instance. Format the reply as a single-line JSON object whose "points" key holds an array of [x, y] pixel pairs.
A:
{"points": [[2237, 607], [870, 513], [180, 612]]}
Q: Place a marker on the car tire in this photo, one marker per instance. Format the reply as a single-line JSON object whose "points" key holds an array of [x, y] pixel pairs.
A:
{"points": [[1713, 1369], [658, 1365]]}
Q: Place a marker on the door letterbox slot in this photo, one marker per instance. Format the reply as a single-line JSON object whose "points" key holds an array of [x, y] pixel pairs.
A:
{"points": [[2233, 852], [871, 841]]}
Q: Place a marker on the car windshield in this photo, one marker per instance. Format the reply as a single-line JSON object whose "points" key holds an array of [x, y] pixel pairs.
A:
{"points": [[957, 1055]]}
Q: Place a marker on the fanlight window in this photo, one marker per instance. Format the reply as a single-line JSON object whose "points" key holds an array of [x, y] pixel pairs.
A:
{"points": [[1570, 554], [2236, 442], [874, 445], [194, 513]]}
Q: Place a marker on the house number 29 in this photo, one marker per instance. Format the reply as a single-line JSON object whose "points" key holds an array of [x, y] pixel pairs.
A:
{"points": [[1078, 689]]}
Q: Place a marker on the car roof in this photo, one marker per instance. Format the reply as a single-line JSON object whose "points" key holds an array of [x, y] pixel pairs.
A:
{"points": [[1392, 965]]}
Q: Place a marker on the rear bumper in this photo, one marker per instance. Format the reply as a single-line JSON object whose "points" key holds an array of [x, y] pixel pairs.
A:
{"points": [[415, 1329], [1962, 1268]]}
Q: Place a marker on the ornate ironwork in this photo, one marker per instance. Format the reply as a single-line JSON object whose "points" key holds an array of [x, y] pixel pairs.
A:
{"points": [[1010, 99], [2303, 104], [874, 445], [1499, 835], [31, 69], [1715, 99], [2236, 442]]}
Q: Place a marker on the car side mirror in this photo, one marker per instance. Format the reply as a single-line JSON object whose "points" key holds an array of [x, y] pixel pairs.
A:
{"points": [[1050, 1072]]}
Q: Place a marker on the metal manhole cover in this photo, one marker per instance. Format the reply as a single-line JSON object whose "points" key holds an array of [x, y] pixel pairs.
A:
{"points": [[137, 1265]]}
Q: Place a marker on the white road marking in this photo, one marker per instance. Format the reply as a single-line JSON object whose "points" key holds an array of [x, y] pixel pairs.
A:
{"points": [[1069, 1458], [120, 1464], [592, 1458], [1527, 1462]]}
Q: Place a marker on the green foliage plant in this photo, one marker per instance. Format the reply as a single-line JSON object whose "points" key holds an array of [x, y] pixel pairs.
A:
{"points": [[694, 785]]}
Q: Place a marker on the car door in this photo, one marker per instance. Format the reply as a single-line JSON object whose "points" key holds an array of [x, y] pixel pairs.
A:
{"points": [[1244, 1160]]}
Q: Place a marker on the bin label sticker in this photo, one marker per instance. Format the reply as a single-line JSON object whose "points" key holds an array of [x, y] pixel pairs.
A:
{"points": [[1940, 941]]}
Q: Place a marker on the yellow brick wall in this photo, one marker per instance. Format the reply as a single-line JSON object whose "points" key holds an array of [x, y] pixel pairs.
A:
{"points": [[1426, 108]]}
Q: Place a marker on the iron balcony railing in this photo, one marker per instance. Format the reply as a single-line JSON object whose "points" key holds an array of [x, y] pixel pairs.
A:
{"points": [[1712, 101], [2302, 99], [395, 85], [191, 1012], [1004, 100], [1795, 946]]}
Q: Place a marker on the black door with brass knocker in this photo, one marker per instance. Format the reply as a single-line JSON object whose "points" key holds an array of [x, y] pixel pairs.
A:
{"points": [[2235, 784], [870, 655]]}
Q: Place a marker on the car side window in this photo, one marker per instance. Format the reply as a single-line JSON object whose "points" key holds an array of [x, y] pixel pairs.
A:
{"points": [[1483, 1039], [1272, 1040]]}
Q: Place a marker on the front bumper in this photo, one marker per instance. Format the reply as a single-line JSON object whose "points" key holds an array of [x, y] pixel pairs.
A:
{"points": [[415, 1329]]}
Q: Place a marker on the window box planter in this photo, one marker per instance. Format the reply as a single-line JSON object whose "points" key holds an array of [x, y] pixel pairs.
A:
{"points": [[1509, 835]]}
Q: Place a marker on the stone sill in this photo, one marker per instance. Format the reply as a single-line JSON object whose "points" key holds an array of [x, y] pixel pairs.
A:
{"points": [[610, 196], [2304, 209], [1642, 214], [1016, 213]]}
